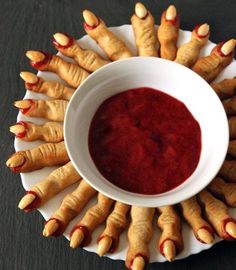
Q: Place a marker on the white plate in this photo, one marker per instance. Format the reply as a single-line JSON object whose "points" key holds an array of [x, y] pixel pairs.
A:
{"points": [[191, 245]]}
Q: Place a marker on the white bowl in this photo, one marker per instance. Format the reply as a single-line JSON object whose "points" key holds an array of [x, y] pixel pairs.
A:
{"points": [[169, 77]]}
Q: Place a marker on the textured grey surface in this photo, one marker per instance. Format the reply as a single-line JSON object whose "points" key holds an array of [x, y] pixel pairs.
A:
{"points": [[26, 25]]}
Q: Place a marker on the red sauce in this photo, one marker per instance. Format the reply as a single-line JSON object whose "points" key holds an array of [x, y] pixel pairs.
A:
{"points": [[144, 141]]}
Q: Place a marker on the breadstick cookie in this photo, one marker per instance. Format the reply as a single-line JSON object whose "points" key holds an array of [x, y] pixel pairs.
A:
{"points": [[217, 214], [69, 72], [226, 88], [49, 88], [139, 237], [143, 25], [168, 33], [230, 106], [189, 52], [49, 109], [115, 224], [232, 127], [219, 188], [171, 241], [48, 154], [48, 132], [87, 59], [193, 215], [96, 215], [114, 47], [70, 207], [228, 170], [232, 148], [210, 66], [43, 191]]}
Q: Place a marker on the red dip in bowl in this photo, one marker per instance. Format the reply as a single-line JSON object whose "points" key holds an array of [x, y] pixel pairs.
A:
{"points": [[144, 141]]}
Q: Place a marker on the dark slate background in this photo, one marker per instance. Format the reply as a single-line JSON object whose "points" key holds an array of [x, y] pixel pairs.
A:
{"points": [[26, 24]]}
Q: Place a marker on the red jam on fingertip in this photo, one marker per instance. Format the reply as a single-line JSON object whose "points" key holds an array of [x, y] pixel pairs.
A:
{"points": [[85, 232], [91, 27], [25, 110], [31, 85], [40, 64], [23, 133], [209, 229], [172, 21], [225, 234], [59, 46], [219, 51], [139, 255], [35, 202], [144, 141], [61, 227], [198, 35], [113, 246]]}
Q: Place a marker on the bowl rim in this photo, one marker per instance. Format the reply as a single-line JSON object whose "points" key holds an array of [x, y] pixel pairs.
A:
{"points": [[142, 197]]}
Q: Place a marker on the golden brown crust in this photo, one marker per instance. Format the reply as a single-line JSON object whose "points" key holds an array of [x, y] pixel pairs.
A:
{"points": [[232, 127], [48, 132], [226, 191], [193, 215], [225, 88], [216, 212], [113, 46], [167, 34], [95, 216], [170, 225], [230, 106], [52, 89], [69, 72], [115, 224], [71, 206], [48, 154], [87, 59], [209, 67], [232, 148], [139, 234], [54, 183], [145, 37], [53, 110], [189, 52], [228, 170]]}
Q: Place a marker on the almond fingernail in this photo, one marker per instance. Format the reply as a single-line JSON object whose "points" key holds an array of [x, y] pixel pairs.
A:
{"points": [[171, 12], [35, 56], [228, 47], [140, 10], [90, 18], [29, 77], [203, 30]]}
